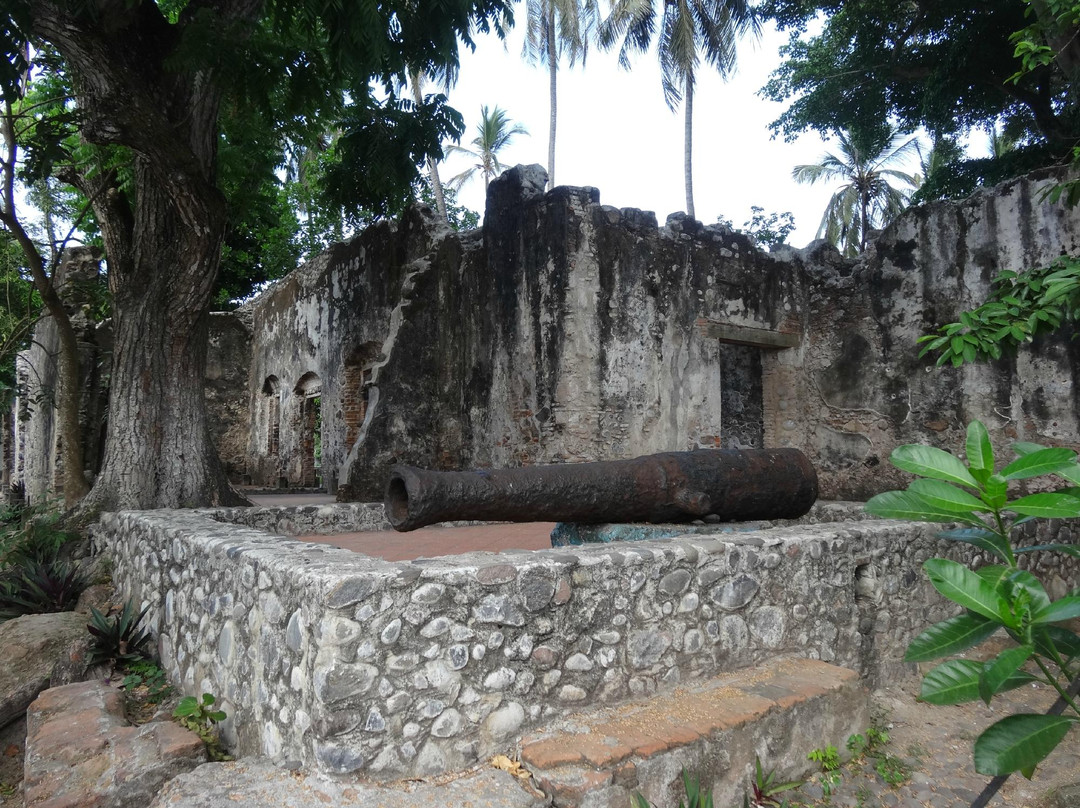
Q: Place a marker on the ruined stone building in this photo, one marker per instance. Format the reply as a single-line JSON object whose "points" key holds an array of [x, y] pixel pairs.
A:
{"points": [[566, 330]]}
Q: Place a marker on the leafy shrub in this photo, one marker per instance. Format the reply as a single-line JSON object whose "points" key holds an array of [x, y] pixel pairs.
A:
{"points": [[147, 678], [39, 587], [32, 533], [996, 596], [201, 718], [119, 639]]}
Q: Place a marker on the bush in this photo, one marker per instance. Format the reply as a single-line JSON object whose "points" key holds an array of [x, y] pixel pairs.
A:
{"points": [[40, 587]]}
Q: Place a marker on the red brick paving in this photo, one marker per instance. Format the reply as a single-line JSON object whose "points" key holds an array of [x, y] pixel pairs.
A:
{"points": [[430, 542]]}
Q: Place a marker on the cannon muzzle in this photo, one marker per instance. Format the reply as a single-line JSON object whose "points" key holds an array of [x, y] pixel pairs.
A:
{"points": [[732, 484]]}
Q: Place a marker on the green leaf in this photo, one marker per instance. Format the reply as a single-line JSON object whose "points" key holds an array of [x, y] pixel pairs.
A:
{"points": [[909, 505], [1049, 639], [983, 539], [1023, 579], [1043, 461], [952, 682], [996, 673], [926, 461], [1050, 505], [995, 491], [946, 497], [1025, 448], [1019, 743], [1064, 609], [1070, 473], [994, 574], [950, 637], [961, 585]]}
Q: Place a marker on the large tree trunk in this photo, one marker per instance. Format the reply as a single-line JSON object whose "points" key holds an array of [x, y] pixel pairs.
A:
{"points": [[553, 69], [163, 241], [158, 452], [688, 148]]}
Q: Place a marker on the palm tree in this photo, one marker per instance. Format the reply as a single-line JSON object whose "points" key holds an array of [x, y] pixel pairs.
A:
{"points": [[416, 81], [493, 134], [866, 200], [688, 30], [557, 28]]}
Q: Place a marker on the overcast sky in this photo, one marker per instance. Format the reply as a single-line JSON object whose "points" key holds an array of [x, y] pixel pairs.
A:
{"points": [[616, 134]]}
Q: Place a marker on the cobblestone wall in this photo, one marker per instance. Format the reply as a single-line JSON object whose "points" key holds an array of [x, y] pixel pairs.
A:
{"points": [[352, 663]]}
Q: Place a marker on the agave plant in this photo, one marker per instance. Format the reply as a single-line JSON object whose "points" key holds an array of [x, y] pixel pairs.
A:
{"points": [[40, 587], [119, 639]]}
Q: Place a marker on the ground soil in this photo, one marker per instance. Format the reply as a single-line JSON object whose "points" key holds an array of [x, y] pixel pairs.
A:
{"points": [[12, 743], [930, 750]]}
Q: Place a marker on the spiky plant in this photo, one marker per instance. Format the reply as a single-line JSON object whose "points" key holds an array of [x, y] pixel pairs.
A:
{"points": [[40, 587], [119, 639]]}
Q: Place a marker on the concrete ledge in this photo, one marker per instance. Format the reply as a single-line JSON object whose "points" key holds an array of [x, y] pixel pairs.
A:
{"points": [[778, 711]]}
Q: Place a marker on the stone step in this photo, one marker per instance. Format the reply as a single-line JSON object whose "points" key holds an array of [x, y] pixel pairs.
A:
{"points": [[779, 711], [82, 753]]}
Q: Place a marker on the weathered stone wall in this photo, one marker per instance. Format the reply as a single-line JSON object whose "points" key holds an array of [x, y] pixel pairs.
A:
{"points": [[352, 663], [570, 331], [320, 333], [567, 331], [856, 387], [228, 366], [37, 459]]}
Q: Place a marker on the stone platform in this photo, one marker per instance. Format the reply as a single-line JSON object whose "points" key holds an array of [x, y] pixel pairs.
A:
{"points": [[779, 711]]}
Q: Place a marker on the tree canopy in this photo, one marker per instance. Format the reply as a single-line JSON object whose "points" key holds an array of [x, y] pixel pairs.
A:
{"points": [[176, 109], [950, 66]]}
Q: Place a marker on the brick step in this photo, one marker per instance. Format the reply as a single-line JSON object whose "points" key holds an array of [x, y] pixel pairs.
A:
{"points": [[778, 711]]}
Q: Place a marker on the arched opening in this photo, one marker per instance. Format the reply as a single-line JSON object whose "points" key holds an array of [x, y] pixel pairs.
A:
{"points": [[272, 409], [309, 388]]}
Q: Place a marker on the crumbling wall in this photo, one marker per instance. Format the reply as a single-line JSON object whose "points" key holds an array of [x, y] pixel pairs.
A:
{"points": [[863, 388], [569, 331], [228, 366], [319, 339]]}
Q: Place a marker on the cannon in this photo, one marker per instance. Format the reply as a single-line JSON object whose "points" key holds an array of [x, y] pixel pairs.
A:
{"points": [[732, 484]]}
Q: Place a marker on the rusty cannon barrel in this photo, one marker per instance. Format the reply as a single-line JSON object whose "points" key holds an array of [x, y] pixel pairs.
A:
{"points": [[732, 484]]}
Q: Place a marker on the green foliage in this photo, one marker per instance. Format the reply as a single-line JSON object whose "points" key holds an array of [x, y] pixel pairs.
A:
{"points": [[695, 797], [201, 718], [943, 66], [460, 217], [828, 758], [1020, 307], [119, 639], [766, 787], [767, 231], [148, 678], [40, 587], [494, 132], [997, 596], [32, 534], [893, 770], [686, 33]]}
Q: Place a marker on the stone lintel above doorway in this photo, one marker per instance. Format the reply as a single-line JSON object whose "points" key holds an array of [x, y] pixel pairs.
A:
{"points": [[765, 338]]}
